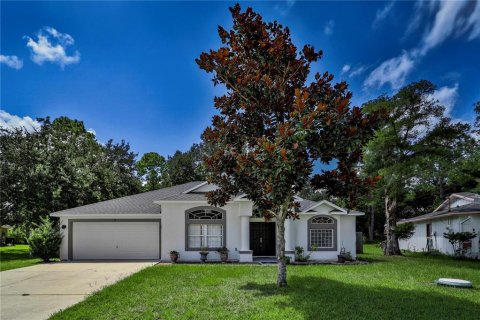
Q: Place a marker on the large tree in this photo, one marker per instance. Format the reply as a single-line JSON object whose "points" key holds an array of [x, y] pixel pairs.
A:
{"points": [[416, 147], [272, 125], [59, 166], [185, 167], [152, 169]]}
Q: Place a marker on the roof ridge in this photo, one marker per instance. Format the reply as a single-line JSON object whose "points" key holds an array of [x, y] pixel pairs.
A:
{"points": [[179, 186]]}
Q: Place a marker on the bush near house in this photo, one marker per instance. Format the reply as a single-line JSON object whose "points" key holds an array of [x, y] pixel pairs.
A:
{"points": [[45, 240], [458, 239]]}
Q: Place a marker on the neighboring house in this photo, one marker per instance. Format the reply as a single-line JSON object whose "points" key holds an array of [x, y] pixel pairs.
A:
{"points": [[4, 234], [149, 225], [459, 213]]}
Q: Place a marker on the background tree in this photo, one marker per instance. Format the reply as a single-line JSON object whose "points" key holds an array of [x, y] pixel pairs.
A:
{"points": [[476, 108], [416, 144], [272, 125], [59, 166], [185, 167], [152, 170]]}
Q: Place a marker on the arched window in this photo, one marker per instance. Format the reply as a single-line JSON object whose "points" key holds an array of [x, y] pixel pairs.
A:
{"points": [[204, 228], [322, 233]]}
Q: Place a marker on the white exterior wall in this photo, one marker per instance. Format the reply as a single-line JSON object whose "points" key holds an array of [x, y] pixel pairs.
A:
{"points": [[173, 230], [64, 244], [346, 236], [476, 241], [418, 242], [348, 233]]}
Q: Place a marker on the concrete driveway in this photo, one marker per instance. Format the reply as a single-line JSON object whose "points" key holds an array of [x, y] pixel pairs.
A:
{"points": [[38, 291]]}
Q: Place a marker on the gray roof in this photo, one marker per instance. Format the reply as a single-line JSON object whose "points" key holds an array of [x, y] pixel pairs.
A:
{"points": [[306, 204], [137, 203], [472, 195], [473, 207], [144, 202]]}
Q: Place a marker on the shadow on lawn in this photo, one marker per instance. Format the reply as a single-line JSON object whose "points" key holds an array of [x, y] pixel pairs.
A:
{"points": [[14, 253], [320, 298]]}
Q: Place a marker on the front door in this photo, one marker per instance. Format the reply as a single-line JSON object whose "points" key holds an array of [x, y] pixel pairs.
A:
{"points": [[262, 238]]}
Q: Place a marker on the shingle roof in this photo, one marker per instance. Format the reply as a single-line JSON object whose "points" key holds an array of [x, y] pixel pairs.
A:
{"points": [[306, 204], [467, 208], [472, 195], [137, 203], [185, 197], [145, 202]]}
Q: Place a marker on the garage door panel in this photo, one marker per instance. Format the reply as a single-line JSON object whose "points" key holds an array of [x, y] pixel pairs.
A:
{"points": [[116, 240]]}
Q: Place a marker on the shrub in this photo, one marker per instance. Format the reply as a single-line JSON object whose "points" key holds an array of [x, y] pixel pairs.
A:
{"points": [[44, 240], [405, 231], [299, 255], [19, 233], [457, 239]]}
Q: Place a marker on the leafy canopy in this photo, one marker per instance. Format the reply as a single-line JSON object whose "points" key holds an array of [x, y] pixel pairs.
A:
{"points": [[271, 124], [152, 170], [59, 166]]}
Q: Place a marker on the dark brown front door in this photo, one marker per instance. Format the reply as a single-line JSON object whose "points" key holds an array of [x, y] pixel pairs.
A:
{"points": [[262, 238]]}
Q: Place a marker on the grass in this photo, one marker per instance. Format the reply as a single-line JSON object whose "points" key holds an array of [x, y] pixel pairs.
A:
{"points": [[387, 288], [15, 257]]}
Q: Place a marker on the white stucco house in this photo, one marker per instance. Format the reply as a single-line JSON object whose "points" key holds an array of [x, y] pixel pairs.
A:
{"points": [[149, 225], [460, 212]]}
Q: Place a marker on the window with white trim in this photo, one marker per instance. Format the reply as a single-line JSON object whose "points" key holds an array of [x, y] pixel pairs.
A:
{"points": [[205, 235], [322, 233], [205, 228]]}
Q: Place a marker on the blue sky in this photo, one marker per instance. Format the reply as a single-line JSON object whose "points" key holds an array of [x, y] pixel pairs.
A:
{"points": [[127, 69]]}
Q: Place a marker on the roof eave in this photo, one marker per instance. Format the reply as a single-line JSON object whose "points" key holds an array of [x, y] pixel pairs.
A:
{"points": [[444, 215], [317, 204], [105, 215], [201, 184]]}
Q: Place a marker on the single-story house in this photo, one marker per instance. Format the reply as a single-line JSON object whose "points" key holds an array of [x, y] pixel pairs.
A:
{"points": [[151, 224], [460, 212]]}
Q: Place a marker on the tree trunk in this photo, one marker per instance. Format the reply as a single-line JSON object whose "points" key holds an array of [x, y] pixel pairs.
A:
{"points": [[282, 262], [441, 192], [371, 226], [391, 246]]}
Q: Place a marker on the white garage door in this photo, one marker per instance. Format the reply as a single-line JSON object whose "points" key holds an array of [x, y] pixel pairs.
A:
{"points": [[116, 240]]}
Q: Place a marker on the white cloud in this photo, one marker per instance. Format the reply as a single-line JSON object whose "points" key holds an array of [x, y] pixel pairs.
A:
{"points": [[474, 22], [11, 121], [11, 61], [357, 71], [284, 8], [447, 97], [392, 71], [328, 29], [346, 68], [51, 46], [452, 19], [382, 14], [416, 20]]}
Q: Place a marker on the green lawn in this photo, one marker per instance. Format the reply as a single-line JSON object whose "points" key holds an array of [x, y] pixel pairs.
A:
{"points": [[16, 257], [387, 288]]}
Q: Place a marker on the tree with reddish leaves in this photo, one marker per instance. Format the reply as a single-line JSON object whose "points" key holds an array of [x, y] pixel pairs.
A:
{"points": [[272, 125]]}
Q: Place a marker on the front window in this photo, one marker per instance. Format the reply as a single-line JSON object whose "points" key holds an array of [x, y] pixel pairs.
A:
{"points": [[321, 238], [205, 228], [322, 233], [205, 235]]}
